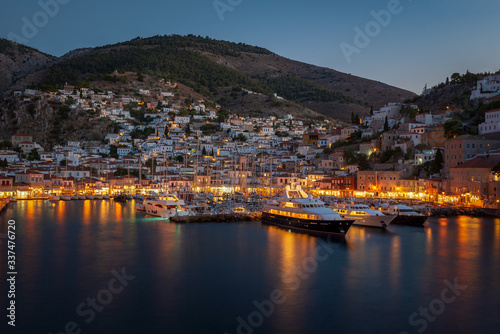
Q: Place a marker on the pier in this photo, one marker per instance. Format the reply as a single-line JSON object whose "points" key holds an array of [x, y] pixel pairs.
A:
{"points": [[218, 218]]}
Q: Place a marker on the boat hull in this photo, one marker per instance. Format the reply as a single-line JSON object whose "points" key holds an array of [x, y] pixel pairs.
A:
{"points": [[329, 227], [410, 220], [372, 221]]}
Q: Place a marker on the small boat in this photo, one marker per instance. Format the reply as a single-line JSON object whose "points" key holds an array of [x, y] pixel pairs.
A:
{"points": [[65, 197], [120, 198], [298, 211], [54, 198], [140, 207], [363, 215], [90, 196], [105, 197], [239, 209], [12, 199], [405, 215], [74, 197], [129, 196], [82, 197], [98, 196]]}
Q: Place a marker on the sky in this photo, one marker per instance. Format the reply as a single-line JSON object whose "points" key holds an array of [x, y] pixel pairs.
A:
{"points": [[406, 43]]}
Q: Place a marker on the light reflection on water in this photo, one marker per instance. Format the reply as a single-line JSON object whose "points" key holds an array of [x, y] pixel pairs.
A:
{"points": [[196, 278]]}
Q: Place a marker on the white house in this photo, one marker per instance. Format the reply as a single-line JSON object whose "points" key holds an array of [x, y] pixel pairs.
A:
{"points": [[488, 87], [491, 122]]}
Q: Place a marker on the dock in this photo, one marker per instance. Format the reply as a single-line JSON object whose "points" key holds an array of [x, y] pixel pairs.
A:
{"points": [[218, 218]]}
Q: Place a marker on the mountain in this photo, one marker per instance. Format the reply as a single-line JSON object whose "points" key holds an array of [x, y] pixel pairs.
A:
{"points": [[18, 61], [221, 71]]}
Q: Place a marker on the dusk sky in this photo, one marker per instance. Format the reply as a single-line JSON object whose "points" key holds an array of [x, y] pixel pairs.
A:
{"points": [[422, 42]]}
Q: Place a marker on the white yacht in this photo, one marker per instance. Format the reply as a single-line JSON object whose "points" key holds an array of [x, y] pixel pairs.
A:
{"points": [[363, 215], [168, 206], [296, 210], [404, 214]]}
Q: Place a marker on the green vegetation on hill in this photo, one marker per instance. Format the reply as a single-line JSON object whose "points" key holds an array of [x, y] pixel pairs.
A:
{"points": [[8, 47], [181, 58], [295, 88], [181, 65], [205, 44]]}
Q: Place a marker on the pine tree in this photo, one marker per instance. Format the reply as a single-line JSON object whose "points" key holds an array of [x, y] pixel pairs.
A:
{"points": [[386, 124], [437, 163]]}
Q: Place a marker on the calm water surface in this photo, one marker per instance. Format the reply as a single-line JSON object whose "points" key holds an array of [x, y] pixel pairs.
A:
{"points": [[221, 278]]}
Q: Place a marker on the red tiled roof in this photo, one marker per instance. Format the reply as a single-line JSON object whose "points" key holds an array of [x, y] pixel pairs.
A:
{"points": [[477, 162]]}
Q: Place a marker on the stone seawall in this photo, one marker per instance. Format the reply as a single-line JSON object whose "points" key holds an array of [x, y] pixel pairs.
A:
{"points": [[464, 211]]}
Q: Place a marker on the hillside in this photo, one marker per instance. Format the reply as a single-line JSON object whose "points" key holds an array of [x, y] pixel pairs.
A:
{"points": [[17, 61], [216, 69]]}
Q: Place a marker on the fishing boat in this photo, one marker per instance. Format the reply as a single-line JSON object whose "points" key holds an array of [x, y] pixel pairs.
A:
{"points": [[65, 197], [98, 197], [298, 211], [105, 197], [82, 197], [90, 196], [54, 198]]}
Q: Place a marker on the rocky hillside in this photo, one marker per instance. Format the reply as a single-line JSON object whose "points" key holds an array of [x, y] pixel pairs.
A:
{"points": [[18, 61], [51, 123]]}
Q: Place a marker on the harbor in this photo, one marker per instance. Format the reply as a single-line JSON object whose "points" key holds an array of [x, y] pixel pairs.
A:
{"points": [[175, 264]]}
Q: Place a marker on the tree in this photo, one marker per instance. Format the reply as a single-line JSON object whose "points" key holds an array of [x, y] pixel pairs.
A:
{"points": [[386, 124], [33, 155], [179, 158], [241, 137], [113, 152], [350, 157], [4, 163], [437, 163], [6, 144], [63, 162], [363, 163], [204, 151], [188, 130], [452, 128]]}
